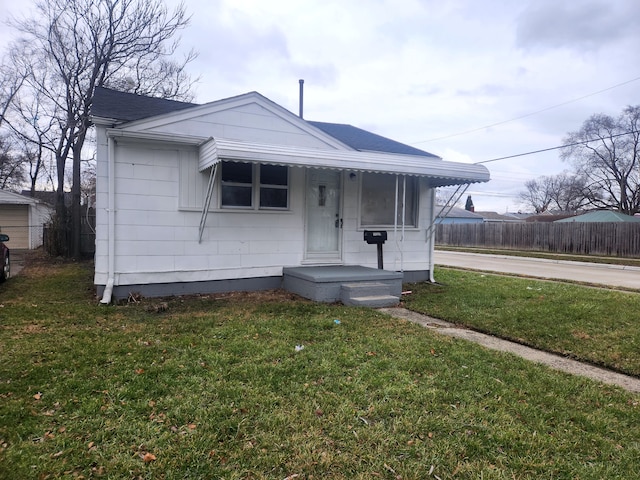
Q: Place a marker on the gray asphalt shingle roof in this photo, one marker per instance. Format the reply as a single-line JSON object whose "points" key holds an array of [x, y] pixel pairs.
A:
{"points": [[600, 216], [127, 107], [455, 212], [363, 140]]}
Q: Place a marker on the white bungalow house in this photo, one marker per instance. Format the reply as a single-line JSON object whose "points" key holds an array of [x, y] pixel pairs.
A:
{"points": [[232, 194]]}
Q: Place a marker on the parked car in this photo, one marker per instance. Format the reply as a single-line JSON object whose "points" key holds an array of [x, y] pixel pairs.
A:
{"points": [[4, 256]]}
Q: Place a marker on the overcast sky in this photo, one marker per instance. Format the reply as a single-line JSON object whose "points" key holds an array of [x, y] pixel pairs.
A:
{"points": [[467, 80]]}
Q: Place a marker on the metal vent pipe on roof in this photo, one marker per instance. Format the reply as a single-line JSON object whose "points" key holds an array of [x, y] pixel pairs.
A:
{"points": [[301, 81]]}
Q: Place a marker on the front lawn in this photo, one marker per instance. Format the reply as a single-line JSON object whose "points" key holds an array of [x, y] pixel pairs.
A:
{"points": [[596, 325], [214, 387]]}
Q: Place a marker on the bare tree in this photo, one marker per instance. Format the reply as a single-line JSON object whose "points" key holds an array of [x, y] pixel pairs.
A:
{"points": [[89, 185], [537, 194], [569, 192], [34, 128], [11, 80], [74, 46], [11, 168], [565, 192], [606, 153], [445, 196]]}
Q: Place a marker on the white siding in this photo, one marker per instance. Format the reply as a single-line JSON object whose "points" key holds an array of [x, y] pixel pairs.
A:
{"points": [[250, 123], [157, 241]]}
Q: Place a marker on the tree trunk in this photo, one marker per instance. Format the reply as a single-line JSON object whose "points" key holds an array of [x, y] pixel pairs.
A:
{"points": [[60, 226], [76, 216]]}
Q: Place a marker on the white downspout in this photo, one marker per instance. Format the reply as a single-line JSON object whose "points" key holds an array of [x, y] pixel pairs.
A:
{"points": [[395, 225], [431, 238], [404, 209], [111, 212]]}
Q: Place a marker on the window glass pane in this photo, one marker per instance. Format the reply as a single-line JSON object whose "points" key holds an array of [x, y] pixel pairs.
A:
{"points": [[273, 175], [233, 196], [237, 172], [274, 180], [237, 184], [378, 203], [273, 197], [411, 207]]}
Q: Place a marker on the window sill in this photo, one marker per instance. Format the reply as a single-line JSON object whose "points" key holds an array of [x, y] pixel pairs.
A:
{"points": [[388, 228], [237, 210]]}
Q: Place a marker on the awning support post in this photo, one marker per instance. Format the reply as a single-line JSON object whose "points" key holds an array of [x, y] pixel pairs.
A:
{"points": [[400, 243], [207, 200], [446, 208]]}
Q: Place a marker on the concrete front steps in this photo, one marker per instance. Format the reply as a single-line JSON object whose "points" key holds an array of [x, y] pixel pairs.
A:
{"points": [[352, 285], [372, 294]]}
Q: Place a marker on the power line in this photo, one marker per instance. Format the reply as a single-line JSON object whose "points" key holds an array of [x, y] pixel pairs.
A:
{"points": [[528, 114], [554, 148]]}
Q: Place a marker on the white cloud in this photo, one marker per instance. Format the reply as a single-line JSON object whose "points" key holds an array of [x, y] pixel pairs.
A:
{"points": [[579, 26]]}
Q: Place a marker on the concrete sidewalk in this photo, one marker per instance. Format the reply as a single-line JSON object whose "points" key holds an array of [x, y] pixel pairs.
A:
{"points": [[556, 362], [17, 261]]}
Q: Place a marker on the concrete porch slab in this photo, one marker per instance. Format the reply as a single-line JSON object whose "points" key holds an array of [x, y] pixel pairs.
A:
{"points": [[323, 283]]}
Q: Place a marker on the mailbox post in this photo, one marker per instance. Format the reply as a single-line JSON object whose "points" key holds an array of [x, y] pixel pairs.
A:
{"points": [[376, 237]]}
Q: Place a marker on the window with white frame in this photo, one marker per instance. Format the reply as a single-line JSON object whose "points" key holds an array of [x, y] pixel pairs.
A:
{"points": [[251, 186], [378, 200]]}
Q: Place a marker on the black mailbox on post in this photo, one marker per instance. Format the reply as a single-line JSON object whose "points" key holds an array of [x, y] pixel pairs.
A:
{"points": [[376, 237]]}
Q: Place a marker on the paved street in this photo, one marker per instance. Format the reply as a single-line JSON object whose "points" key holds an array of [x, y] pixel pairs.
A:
{"points": [[612, 275]]}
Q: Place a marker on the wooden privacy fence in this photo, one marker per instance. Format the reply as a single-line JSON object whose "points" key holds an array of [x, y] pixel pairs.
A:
{"points": [[61, 244], [609, 239]]}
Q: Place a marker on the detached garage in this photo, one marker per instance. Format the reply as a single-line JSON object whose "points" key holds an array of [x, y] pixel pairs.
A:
{"points": [[22, 218]]}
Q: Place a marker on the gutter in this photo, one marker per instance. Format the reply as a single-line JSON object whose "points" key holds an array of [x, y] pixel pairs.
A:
{"points": [[111, 212]]}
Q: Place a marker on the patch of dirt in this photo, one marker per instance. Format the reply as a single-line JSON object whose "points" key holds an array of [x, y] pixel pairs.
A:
{"points": [[162, 304], [38, 263], [279, 295]]}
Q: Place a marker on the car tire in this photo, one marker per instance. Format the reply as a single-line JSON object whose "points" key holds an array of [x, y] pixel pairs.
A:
{"points": [[6, 269]]}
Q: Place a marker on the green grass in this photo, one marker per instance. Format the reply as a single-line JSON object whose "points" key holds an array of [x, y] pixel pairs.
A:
{"points": [[212, 387], [596, 325]]}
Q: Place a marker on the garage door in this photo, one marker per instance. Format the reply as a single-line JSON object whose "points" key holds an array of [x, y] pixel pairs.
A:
{"points": [[14, 221]]}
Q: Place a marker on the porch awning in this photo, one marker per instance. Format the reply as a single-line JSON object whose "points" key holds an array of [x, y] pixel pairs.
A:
{"points": [[440, 172]]}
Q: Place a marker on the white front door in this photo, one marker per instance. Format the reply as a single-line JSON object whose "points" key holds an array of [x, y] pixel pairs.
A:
{"points": [[324, 219]]}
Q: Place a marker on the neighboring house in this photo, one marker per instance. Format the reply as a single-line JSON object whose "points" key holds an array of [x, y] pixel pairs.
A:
{"points": [[223, 196], [601, 216], [456, 215], [23, 218], [48, 197], [499, 218], [523, 217], [548, 217]]}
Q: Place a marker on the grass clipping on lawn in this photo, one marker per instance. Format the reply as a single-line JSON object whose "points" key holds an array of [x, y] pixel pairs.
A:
{"points": [[214, 387]]}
